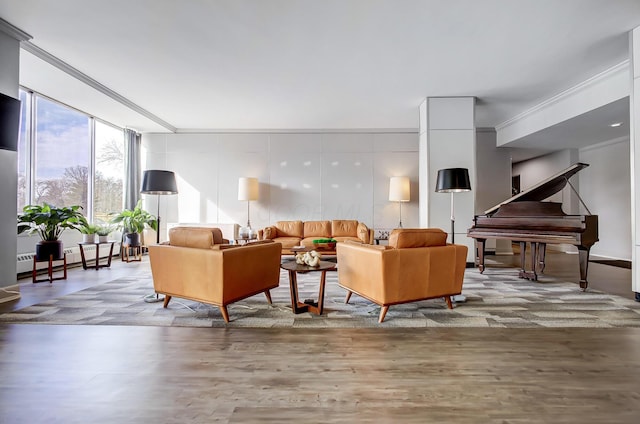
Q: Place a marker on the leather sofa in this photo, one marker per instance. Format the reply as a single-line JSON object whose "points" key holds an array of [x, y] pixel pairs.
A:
{"points": [[299, 233], [196, 265], [417, 264]]}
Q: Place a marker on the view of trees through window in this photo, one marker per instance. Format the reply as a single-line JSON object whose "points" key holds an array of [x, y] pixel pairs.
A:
{"points": [[64, 172], [108, 189], [63, 151]]}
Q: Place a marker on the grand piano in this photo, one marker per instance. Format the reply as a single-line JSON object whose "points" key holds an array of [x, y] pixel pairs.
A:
{"points": [[526, 218]]}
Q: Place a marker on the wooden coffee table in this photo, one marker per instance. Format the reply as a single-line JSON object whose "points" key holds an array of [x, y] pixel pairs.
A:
{"points": [[308, 306]]}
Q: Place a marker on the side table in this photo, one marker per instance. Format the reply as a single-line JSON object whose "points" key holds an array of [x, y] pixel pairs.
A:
{"points": [[131, 253], [308, 306], [50, 277], [97, 264]]}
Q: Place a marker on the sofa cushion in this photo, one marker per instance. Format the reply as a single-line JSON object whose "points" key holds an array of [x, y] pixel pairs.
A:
{"points": [[289, 229], [288, 242], [317, 229], [344, 228], [196, 237], [417, 237], [348, 238]]}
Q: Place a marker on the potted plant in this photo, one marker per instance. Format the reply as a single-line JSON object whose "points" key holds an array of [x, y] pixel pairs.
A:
{"points": [[103, 230], [88, 231], [49, 222], [133, 222]]}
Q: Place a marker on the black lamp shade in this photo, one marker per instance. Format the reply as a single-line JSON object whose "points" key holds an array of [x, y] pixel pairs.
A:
{"points": [[159, 182], [453, 180]]}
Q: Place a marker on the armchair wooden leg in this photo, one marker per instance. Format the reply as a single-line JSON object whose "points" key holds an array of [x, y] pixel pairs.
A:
{"points": [[383, 312], [166, 300], [225, 314], [449, 304], [268, 295], [346, 299]]}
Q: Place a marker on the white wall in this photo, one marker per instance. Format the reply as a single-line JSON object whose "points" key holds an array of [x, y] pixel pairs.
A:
{"points": [[9, 66], [493, 185], [448, 140], [306, 176], [606, 189], [599, 90], [634, 134]]}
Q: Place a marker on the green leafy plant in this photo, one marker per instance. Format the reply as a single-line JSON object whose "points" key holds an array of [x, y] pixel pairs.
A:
{"points": [[104, 229], [134, 221], [325, 240], [85, 227], [49, 221]]}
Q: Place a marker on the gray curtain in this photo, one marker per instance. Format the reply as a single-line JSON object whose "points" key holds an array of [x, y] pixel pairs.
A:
{"points": [[133, 174]]}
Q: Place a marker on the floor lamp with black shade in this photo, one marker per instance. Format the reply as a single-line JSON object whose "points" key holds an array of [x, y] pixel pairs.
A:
{"points": [[453, 180], [158, 182]]}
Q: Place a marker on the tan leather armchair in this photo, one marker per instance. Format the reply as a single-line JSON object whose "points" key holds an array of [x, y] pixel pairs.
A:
{"points": [[416, 265], [194, 265]]}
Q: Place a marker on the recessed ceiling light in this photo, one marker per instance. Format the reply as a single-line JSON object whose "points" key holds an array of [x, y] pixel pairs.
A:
{"points": [[615, 124]]}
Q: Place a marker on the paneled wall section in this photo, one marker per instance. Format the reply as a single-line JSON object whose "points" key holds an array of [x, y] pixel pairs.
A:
{"points": [[306, 176]]}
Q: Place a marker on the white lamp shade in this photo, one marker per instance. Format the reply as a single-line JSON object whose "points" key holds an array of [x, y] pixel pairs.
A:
{"points": [[399, 189], [248, 188]]}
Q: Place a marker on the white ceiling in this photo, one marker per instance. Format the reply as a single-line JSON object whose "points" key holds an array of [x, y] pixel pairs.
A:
{"points": [[304, 64]]}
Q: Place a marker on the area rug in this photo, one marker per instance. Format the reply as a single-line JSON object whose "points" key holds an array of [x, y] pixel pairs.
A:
{"points": [[496, 298]]}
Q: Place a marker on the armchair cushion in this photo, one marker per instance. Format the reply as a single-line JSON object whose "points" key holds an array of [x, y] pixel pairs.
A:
{"points": [[196, 237], [417, 237]]}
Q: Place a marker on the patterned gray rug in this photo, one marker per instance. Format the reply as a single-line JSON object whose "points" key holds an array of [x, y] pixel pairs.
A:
{"points": [[494, 299]]}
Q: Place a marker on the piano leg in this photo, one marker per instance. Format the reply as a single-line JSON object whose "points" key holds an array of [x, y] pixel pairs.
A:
{"points": [[542, 249], [529, 275], [534, 259], [480, 254], [583, 255]]}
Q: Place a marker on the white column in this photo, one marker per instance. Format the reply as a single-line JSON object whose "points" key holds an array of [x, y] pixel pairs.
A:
{"points": [[447, 140], [10, 38], [634, 125]]}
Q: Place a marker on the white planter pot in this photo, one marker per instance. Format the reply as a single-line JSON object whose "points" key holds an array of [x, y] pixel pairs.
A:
{"points": [[88, 238], [103, 239]]}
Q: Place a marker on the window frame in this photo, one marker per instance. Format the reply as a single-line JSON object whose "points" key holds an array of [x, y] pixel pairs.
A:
{"points": [[30, 147]]}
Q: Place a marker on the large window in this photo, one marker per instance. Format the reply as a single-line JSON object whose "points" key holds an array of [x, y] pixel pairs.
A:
{"points": [[63, 152], [66, 157], [108, 189]]}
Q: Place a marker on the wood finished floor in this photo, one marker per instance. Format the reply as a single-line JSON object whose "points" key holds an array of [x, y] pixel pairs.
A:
{"points": [[102, 374]]}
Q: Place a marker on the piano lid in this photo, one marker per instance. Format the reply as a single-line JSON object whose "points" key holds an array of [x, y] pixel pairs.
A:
{"points": [[544, 189]]}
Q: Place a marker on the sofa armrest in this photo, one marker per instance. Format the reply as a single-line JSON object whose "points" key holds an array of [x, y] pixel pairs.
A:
{"points": [[267, 233], [364, 233]]}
